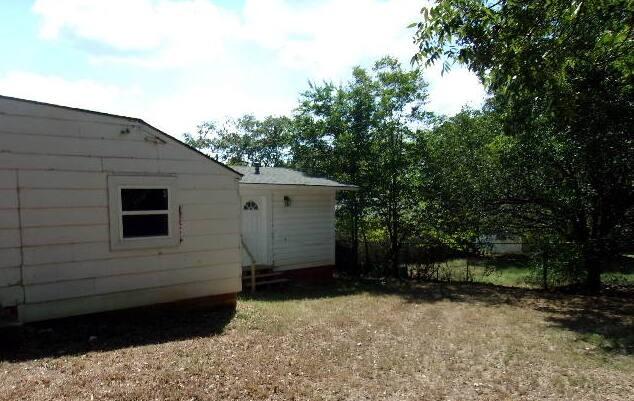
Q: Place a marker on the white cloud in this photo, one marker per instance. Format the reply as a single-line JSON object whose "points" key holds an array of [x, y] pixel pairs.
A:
{"points": [[327, 38], [115, 22], [323, 38], [182, 111], [82, 93], [144, 32], [175, 114], [217, 61], [448, 93]]}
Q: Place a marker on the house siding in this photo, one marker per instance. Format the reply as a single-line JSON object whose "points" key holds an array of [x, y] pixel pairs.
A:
{"points": [[55, 256], [10, 242], [304, 232]]}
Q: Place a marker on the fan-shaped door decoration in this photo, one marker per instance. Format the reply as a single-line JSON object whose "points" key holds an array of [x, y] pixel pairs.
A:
{"points": [[250, 205]]}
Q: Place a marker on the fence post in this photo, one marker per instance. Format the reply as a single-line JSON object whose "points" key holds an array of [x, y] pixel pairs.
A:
{"points": [[468, 276], [545, 269]]}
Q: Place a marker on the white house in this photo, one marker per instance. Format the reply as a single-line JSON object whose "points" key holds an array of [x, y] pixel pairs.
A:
{"points": [[288, 220], [101, 212], [501, 244]]}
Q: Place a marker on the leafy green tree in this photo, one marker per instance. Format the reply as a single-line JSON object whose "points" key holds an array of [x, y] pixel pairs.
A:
{"points": [[400, 97], [460, 177], [245, 140], [362, 133], [560, 74], [333, 136]]}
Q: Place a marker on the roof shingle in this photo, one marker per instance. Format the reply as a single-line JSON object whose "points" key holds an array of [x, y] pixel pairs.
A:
{"points": [[285, 176]]}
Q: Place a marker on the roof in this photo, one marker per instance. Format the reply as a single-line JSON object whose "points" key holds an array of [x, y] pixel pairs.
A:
{"points": [[286, 176], [132, 119]]}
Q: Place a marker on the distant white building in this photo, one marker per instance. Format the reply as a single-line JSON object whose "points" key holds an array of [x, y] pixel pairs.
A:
{"points": [[499, 244]]}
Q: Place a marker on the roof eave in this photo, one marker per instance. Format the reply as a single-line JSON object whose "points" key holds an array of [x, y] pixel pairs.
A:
{"points": [[336, 187]]}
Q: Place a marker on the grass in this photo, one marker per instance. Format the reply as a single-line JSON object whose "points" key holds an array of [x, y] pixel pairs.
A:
{"points": [[517, 271], [369, 340]]}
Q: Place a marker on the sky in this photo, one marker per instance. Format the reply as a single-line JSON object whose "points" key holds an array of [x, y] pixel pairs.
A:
{"points": [[177, 63]]}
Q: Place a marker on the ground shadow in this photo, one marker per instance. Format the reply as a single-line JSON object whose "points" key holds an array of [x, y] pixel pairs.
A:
{"points": [[412, 291], [621, 264], [112, 330], [607, 320]]}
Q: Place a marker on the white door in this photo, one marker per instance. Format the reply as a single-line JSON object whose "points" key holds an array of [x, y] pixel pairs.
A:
{"points": [[254, 229]]}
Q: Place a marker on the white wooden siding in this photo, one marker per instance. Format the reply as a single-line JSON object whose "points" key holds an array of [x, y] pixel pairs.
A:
{"points": [[131, 281], [8, 199], [127, 299], [49, 162], [55, 257], [10, 241], [304, 232], [132, 265], [10, 257]]}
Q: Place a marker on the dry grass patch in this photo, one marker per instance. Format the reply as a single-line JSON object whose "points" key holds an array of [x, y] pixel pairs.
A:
{"points": [[347, 341]]}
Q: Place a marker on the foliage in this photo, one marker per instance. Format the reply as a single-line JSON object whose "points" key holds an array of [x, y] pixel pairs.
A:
{"points": [[555, 262], [549, 157], [362, 132], [333, 138], [460, 177], [245, 140], [560, 75]]}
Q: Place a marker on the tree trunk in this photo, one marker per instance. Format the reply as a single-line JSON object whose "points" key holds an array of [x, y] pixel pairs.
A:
{"points": [[395, 260], [593, 263], [355, 244], [395, 248], [366, 259], [593, 279]]}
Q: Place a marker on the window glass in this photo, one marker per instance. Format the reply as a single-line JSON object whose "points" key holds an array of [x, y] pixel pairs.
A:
{"points": [[143, 211], [250, 205], [133, 199], [145, 225]]}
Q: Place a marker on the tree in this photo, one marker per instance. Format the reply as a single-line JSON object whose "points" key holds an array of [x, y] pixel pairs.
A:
{"points": [[560, 74], [245, 140], [333, 133], [459, 177], [361, 133], [400, 97]]}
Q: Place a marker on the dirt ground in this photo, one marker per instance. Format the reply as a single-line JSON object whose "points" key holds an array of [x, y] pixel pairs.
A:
{"points": [[344, 341]]}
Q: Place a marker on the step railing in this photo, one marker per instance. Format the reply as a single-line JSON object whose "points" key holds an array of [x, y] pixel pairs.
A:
{"points": [[246, 248]]}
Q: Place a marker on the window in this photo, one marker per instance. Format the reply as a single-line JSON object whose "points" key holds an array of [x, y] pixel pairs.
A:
{"points": [[143, 213], [250, 205]]}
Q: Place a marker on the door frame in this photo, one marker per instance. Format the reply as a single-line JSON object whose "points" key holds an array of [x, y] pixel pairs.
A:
{"points": [[265, 206]]}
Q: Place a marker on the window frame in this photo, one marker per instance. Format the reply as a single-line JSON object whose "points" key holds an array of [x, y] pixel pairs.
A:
{"points": [[116, 184]]}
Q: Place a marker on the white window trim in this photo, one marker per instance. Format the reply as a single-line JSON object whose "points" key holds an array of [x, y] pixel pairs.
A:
{"points": [[115, 184]]}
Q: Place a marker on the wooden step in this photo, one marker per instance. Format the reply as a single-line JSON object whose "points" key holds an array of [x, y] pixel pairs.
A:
{"points": [[261, 275], [258, 268], [9, 323], [267, 282]]}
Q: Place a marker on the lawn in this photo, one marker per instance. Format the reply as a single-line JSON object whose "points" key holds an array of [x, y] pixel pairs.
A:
{"points": [[517, 272], [344, 341]]}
